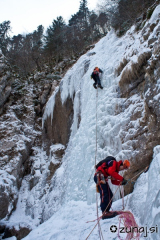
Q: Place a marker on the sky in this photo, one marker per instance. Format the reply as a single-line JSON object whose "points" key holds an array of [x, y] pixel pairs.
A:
{"points": [[26, 16]]}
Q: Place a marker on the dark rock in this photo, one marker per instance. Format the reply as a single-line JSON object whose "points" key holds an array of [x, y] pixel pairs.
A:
{"points": [[58, 130], [19, 233], [151, 40], [4, 204]]}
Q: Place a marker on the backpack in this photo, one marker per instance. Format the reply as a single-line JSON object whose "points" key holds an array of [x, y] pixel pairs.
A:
{"points": [[108, 160]]}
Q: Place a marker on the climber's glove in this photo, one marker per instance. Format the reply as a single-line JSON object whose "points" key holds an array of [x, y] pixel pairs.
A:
{"points": [[124, 182]]}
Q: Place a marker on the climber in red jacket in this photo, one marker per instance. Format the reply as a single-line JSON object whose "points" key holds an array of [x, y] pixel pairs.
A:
{"points": [[95, 77], [105, 168]]}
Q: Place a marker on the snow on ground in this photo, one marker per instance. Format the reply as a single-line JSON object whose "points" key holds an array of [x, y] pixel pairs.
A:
{"points": [[71, 223], [70, 183]]}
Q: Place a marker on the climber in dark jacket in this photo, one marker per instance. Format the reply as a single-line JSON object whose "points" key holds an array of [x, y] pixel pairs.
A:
{"points": [[105, 168], [95, 76]]}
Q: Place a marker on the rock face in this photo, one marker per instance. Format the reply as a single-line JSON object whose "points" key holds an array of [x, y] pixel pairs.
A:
{"points": [[58, 128], [142, 77]]}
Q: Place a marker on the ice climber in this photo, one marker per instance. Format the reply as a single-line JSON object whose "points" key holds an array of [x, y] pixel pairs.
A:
{"points": [[95, 76], [105, 168]]}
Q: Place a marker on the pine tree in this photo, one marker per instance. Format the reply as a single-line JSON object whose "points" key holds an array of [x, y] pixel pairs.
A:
{"points": [[83, 10], [55, 38], [4, 36]]}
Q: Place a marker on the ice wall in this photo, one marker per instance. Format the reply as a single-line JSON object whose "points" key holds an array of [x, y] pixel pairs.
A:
{"points": [[80, 154], [145, 200]]}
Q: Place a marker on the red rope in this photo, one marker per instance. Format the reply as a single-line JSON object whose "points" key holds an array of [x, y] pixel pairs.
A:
{"points": [[126, 216], [130, 225]]}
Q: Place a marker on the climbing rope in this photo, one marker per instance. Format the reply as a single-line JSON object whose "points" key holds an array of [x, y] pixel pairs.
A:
{"points": [[133, 181], [99, 226], [96, 128], [128, 220], [144, 170], [99, 218], [121, 189], [125, 216]]}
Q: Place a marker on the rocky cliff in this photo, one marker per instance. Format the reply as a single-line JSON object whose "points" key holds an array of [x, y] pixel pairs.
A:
{"points": [[21, 108], [140, 75]]}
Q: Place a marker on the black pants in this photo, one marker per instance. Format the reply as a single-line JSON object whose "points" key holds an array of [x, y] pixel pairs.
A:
{"points": [[105, 195], [97, 81]]}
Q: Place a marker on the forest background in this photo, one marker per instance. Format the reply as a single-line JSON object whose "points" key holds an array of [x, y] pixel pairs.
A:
{"points": [[63, 41]]}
